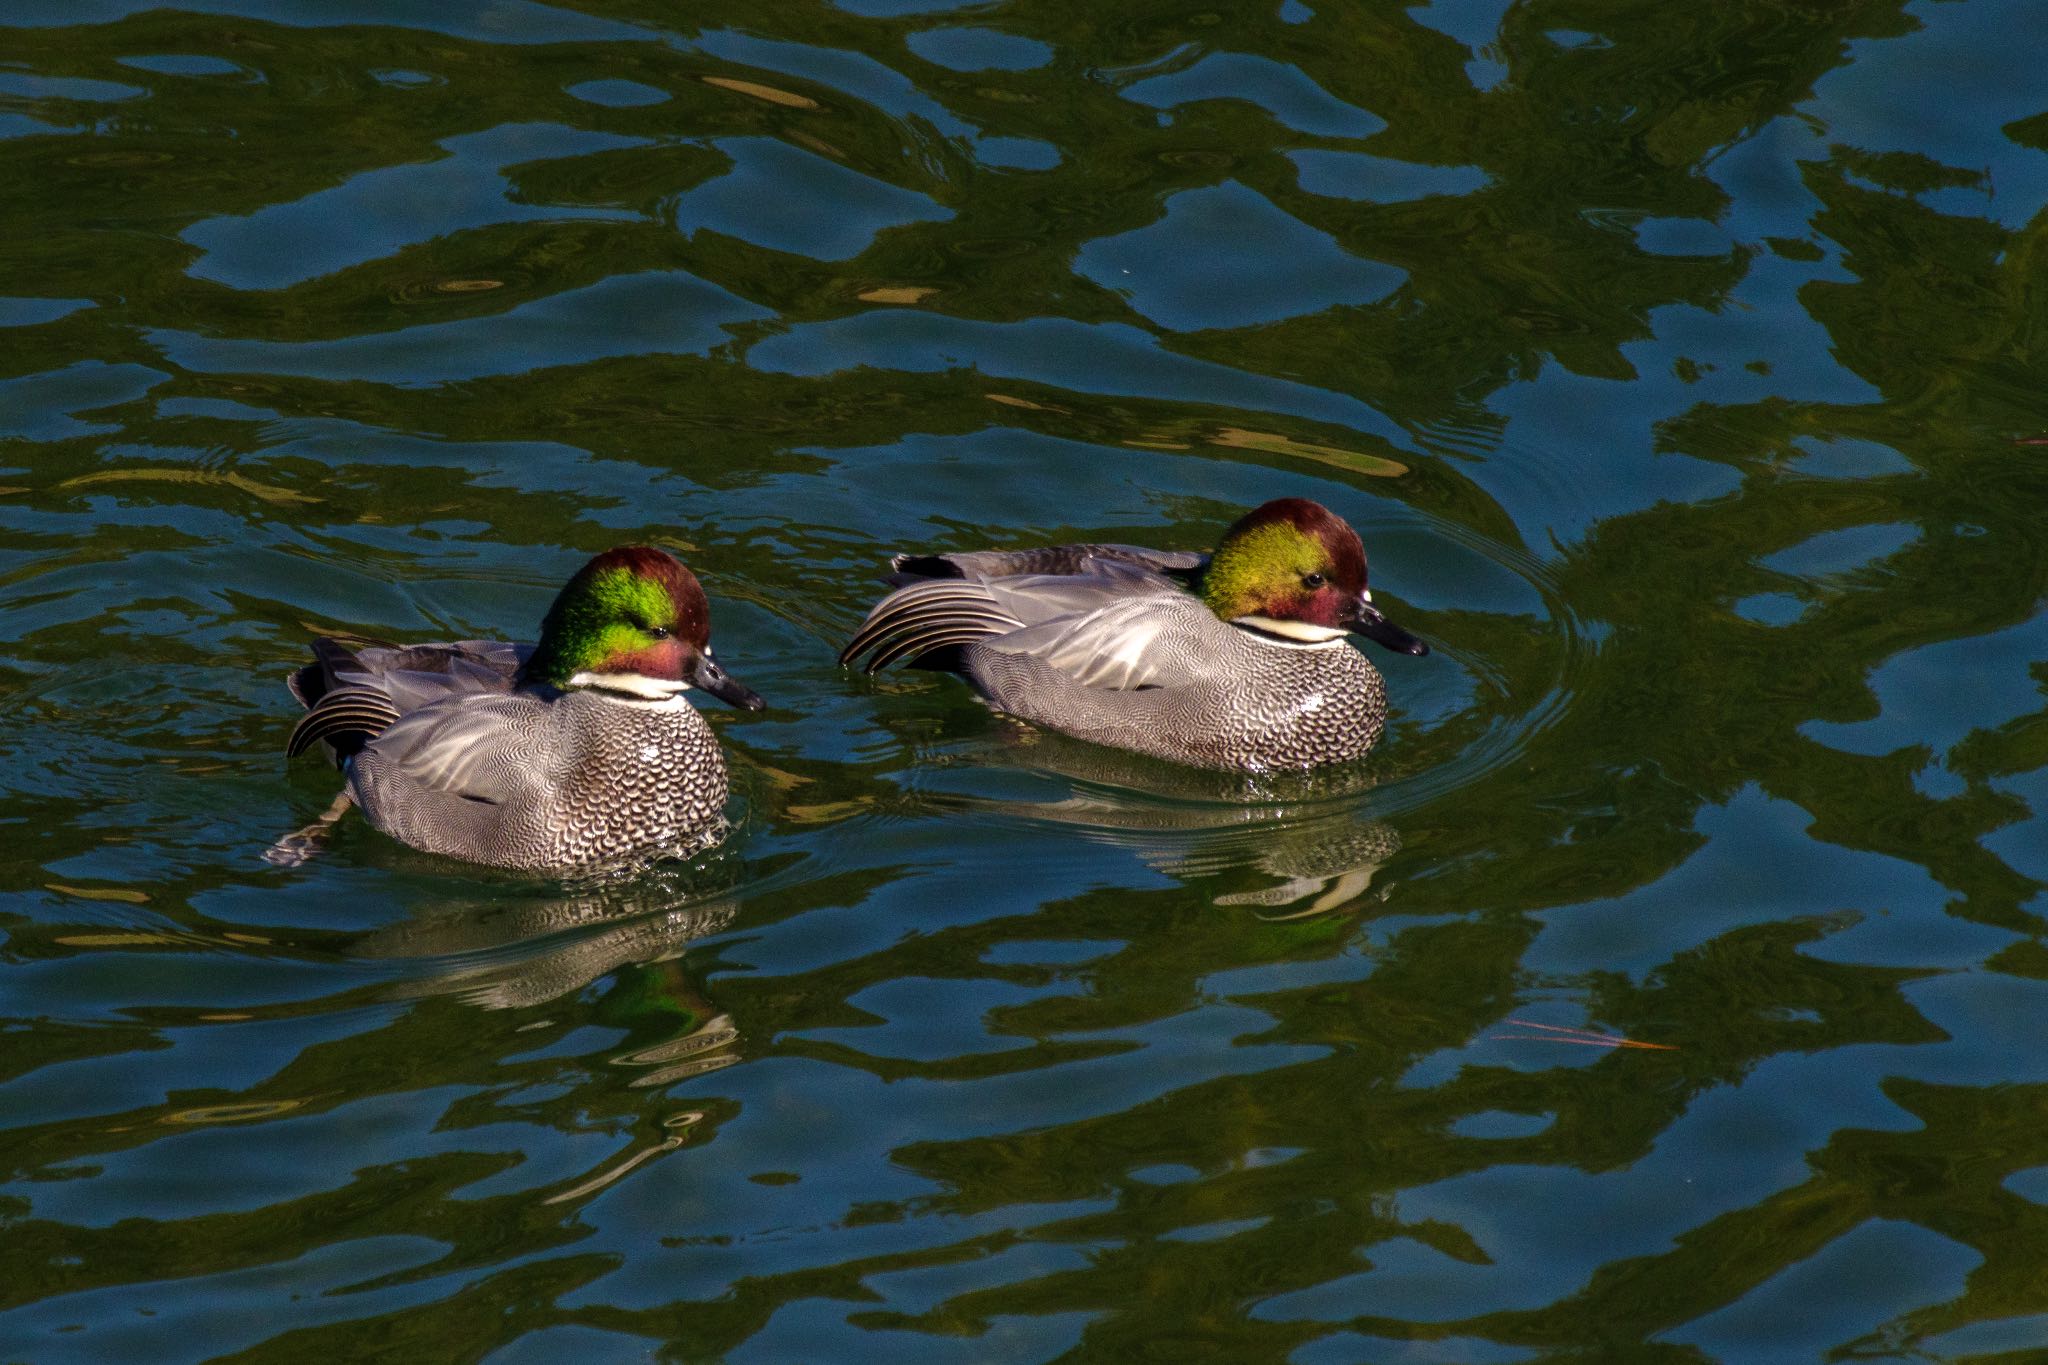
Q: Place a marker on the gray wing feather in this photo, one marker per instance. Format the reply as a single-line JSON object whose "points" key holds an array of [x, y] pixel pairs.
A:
{"points": [[1133, 643], [1048, 559], [480, 748], [1037, 598], [1063, 603], [418, 675]]}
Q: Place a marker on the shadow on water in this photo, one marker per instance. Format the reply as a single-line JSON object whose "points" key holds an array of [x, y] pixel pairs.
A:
{"points": [[1681, 367]]}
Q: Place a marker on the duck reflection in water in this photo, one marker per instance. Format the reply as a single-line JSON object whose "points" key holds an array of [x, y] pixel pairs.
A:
{"points": [[1298, 838], [522, 951]]}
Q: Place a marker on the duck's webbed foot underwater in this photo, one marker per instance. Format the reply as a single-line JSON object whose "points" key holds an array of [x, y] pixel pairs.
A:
{"points": [[308, 841]]}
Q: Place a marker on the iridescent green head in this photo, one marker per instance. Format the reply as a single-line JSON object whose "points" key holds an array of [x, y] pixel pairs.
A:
{"points": [[633, 621], [1294, 570]]}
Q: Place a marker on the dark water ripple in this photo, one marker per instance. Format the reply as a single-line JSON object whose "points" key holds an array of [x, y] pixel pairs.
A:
{"points": [[1682, 367]]}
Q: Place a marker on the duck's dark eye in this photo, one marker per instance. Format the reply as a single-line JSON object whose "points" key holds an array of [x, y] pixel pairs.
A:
{"points": [[657, 632], [1313, 581]]}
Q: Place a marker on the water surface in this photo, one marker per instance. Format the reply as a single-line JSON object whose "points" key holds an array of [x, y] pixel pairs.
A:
{"points": [[1681, 365]]}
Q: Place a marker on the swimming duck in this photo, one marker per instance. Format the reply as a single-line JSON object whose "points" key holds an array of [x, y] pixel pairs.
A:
{"points": [[575, 752], [1233, 660]]}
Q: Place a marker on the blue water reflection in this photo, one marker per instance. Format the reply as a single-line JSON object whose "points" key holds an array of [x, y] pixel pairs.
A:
{"points": [[1669, 984], [1286, 93], [377, 213], [1262, 265]]}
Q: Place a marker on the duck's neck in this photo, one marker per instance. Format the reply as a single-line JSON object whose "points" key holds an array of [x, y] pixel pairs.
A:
{"points": [[1271, 630]]}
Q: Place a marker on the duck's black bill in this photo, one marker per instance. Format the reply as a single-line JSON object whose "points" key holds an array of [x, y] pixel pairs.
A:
{"points": [[707, 674], [1366, 620]]}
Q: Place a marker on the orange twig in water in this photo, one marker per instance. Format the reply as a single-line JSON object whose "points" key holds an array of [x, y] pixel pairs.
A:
{"points": [[1583, 1037]]}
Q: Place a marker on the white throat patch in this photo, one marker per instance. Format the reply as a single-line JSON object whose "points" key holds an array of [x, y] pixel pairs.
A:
{"points": [[631, 686], [1292, 634]]}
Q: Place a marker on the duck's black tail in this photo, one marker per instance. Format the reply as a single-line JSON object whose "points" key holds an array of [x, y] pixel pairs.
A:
{"points": [[928, 622], [346, 717]]}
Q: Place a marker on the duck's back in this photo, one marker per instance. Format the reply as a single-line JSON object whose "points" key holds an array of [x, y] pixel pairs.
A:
{"points": [[537, 779], [1163, 676], [1171, 570]]}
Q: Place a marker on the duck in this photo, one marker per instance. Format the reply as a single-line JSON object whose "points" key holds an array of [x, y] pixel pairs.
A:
{"points": [[1238, 659], [577, 752]]}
